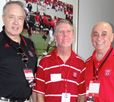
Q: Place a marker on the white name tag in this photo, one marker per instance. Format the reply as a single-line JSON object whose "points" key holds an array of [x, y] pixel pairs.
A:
{"points": [[65, 97], [55, 77], [28, 74], [94, 88]]}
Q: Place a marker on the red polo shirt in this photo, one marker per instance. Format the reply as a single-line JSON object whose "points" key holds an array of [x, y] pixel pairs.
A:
{"points": [[105, 76], [72, 71]]}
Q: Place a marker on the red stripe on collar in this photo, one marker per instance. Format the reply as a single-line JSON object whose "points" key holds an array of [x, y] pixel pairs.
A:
{"points": [[24, 41]]}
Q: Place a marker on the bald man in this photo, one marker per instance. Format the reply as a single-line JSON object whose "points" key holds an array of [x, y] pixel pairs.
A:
{"points": [[99, 74]]}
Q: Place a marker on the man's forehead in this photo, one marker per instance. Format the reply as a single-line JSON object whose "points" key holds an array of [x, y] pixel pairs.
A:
{"points": [[11, 10], [101, 29], [14, 6], [103, 26]]}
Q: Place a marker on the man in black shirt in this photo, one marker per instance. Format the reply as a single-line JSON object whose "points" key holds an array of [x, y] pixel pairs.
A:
{"points": [[18, 60]]}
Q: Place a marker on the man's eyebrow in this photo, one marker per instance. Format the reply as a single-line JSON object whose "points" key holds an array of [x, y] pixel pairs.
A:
{"points": [[104, 32], [95, 32]]}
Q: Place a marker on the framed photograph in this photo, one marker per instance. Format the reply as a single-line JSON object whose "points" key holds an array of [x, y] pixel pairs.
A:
{"points": [[41, 17]]}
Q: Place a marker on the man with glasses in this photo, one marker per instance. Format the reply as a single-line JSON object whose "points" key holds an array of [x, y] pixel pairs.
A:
{"points": [[18, 60]]}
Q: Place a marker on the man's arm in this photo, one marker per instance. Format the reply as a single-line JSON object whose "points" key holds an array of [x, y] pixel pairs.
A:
{"points": [[34, 97], [40, 97], [81, 98]]}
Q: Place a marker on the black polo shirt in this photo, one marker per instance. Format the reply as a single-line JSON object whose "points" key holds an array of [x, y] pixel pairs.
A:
{"points": [[13, 84]]}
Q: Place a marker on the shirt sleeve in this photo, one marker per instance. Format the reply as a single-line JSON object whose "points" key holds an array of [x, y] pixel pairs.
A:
{"points": [[40, 80], [82, 89]]}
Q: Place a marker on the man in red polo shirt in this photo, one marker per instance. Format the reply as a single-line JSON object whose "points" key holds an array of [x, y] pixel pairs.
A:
{"points": [[60, 75], [99, 74]]}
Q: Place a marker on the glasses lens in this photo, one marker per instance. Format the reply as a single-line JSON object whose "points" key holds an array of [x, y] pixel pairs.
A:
{"points": [[20, 50], [24, 58]]}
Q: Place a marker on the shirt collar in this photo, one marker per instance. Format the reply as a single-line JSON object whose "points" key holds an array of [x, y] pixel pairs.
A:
{"points": [[94, 57], [10, 41], [55, 54]]}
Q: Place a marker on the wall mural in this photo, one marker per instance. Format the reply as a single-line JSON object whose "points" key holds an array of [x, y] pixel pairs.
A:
{"points": [[41, 17]]}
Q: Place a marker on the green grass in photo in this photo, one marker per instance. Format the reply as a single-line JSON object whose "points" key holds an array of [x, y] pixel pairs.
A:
{"points": [[40, 44]]}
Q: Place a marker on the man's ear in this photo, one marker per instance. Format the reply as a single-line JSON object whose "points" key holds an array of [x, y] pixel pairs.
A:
{"points": [[112, 37]]}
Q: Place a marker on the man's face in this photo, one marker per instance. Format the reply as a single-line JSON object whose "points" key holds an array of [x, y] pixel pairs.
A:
{"points": [[13, 20], [64, 35], [102, 37]]}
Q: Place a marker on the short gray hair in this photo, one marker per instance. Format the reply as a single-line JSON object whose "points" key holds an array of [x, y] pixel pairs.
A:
{"points": [[12, 2], [63, 21]]}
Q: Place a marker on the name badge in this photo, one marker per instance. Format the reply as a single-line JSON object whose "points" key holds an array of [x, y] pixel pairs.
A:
{"points": [[94, 88], [28, 74], [65, 97], [55, 77]]}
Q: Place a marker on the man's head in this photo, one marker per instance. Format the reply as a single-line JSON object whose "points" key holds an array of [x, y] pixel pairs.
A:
{"points": [[102, 36], [64, 33], [13, 18]]}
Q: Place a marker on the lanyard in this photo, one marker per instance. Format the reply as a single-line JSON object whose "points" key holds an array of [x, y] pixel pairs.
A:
{"points": [[65, 81], [96, 72]]}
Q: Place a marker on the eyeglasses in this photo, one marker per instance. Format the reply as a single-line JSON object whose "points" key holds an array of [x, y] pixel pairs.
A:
{"points": [[24, 57]]}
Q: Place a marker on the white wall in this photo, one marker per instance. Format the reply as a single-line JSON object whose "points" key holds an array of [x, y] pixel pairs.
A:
{"points": [[1, 7], [75, 21], [91, 12]]}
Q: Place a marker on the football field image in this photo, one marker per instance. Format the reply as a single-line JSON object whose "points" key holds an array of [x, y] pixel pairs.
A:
{"points": [[40, 43]]}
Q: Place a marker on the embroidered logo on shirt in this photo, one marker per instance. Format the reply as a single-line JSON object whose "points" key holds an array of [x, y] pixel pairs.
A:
{"points": [[30, 53], [7, 45], [107, 72], [74, 74]]}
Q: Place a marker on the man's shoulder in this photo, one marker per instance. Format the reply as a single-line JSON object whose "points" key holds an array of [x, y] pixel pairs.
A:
{"points": [[89, 59], [1, 36], [76, 57], [27, 40], [49, 57], [46, 60]]}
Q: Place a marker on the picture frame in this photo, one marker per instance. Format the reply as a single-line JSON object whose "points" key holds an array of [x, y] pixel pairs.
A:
{"points": [[42, 45]]}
